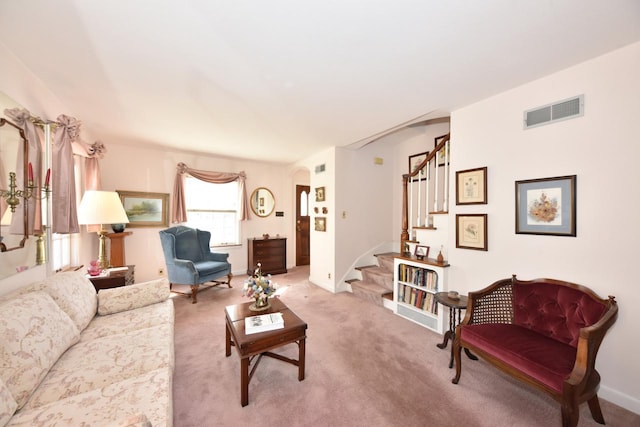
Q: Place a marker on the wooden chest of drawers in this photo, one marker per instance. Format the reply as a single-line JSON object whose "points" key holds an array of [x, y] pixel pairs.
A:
{"points": [[271, 253]]}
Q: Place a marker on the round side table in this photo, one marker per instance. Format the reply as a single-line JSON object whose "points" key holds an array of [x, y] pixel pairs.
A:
{"points": [[455, 308]]}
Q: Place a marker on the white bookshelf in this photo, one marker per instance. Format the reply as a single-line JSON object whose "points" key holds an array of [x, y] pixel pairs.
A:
{"points": [[415, 283]]}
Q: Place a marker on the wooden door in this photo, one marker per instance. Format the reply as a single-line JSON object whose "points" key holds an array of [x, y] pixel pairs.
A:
{"points": [[303, 255]]}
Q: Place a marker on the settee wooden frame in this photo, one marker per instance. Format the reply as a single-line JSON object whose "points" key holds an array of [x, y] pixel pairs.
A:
{"points": [[491, 305]]}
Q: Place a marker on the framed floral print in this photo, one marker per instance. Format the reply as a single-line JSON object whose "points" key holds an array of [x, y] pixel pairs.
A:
{"points": [[546, 206], [471, 187], [471, 231]]}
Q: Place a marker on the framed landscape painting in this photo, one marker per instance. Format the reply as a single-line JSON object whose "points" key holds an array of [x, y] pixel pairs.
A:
{"points": [[145, 209]]}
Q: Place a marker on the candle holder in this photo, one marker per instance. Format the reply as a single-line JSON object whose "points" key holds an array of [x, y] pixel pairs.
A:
{"points": [[13, 195]]}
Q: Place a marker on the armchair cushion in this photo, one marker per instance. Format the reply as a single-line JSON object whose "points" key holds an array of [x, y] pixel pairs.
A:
{"points": [[187, 245], [125, 298]]}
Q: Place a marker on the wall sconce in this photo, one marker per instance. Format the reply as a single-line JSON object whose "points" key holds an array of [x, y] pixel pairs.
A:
{"points": [[13, 195]]}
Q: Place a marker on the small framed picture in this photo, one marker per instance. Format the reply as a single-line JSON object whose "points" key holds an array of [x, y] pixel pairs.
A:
{"points": [[414, 162], [546, 206], [471, 231], [471, 187], [320, 194], [421, 252], [444, 153], [320, 223]]}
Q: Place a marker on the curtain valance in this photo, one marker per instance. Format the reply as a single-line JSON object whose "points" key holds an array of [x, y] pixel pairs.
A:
{"points": [[178, 205]]}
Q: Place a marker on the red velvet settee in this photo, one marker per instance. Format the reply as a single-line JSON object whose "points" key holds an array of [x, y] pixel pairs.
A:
{"points": [[544, 332]]}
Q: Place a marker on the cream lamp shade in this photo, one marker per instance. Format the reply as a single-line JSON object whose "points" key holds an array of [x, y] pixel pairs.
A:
{"points": [[101, 207]]}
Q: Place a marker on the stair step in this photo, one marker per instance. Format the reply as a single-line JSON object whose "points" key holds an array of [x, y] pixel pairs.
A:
{"points": [[378, 275], [368, 291]]}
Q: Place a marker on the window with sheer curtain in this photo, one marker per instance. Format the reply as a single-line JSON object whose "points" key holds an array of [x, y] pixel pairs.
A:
{"points": [[65, 248], [214, 208]]}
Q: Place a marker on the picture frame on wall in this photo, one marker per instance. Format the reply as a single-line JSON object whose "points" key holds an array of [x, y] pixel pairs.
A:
{"points": [[471, 231], [414, 162], [546, 206], [442, 154], [471, 186], [320, 223], [145, 209], [320, 194]]}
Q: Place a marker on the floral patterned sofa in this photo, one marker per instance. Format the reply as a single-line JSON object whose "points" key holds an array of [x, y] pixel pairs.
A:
{"points": [[69, 356]]}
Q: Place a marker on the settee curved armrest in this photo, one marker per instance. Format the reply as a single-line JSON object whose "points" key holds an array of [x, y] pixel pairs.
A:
{"points": [[588, 344]]}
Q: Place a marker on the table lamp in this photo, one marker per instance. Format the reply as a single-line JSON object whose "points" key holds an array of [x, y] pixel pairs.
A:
{"points": [[100, 208]]}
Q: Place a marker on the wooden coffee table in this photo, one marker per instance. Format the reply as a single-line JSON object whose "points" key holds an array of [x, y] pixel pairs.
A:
{"points": [[260, 344]]}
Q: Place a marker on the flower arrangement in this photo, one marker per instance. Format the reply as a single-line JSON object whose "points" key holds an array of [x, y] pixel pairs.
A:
{"points": [[259, 287], [544, 209]]}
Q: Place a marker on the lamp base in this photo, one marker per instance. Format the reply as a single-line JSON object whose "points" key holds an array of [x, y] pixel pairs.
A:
{"points": [[103, 261]]}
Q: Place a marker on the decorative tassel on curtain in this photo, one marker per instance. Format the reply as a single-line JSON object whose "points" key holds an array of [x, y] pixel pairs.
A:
{"points": [[65, 218], [178, 205], [20, 117]]}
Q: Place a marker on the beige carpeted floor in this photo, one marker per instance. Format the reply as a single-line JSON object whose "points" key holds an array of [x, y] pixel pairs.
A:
{"points": [[365, 367]]}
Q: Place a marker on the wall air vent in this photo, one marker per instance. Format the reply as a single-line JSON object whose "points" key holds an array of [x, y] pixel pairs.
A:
{"points": [[320, 168], [561, 110]]}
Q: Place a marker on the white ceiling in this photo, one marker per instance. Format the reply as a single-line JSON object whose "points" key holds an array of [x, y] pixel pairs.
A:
{"points": [[280, 80]]}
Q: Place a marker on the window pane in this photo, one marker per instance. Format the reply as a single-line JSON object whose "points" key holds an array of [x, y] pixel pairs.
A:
{"points": [[214, 208], [304, 204]]}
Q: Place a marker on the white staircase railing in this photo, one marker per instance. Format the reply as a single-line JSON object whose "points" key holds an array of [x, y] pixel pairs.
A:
{"points": [[425, 191]]}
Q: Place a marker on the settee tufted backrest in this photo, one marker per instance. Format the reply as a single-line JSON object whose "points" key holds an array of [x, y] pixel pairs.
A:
{"points": [[555, 309]]}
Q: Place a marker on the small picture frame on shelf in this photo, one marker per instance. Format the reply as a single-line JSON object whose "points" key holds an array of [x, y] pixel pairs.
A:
{"points": [[471, 187], [421, 251]]}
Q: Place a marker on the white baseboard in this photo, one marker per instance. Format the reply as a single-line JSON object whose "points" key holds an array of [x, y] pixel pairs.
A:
{"points": [[629, 403]]}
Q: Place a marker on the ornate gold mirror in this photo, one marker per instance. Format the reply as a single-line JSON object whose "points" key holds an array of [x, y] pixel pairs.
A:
{"points": [[13, 164], [262, 202]]}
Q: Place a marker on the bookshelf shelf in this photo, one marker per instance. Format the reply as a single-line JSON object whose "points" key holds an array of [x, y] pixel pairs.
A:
{"points": [[415, 283]]}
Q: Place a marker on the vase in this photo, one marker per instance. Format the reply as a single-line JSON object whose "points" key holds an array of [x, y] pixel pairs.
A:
{"points": [[260, 304]]}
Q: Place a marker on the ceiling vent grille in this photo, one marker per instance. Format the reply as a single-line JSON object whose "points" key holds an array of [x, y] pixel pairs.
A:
{"points": [[561, 110]]}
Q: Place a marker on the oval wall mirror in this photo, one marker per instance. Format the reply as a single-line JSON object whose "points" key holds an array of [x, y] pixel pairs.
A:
{"points": [[262, 201]]}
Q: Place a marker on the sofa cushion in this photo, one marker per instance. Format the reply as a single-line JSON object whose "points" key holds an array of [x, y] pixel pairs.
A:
{"points": [[8, 404], [149, 393], [124, 298], [555, 311], [35, 332], [542, 358], [75, 295], [131, 320], [95, 364]]}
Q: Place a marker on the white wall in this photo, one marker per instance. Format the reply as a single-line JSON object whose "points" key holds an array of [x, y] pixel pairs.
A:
{"points": [[144, 168], [602, 149]]}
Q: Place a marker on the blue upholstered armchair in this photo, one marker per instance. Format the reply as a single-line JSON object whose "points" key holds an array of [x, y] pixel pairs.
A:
{"points": [[190, 261]]}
